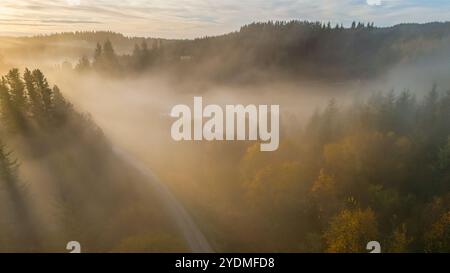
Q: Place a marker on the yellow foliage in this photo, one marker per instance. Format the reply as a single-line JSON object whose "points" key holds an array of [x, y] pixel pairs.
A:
{"points": [[274, 183], [324, 185], [350, 231], [400, 241], [437, 239]]}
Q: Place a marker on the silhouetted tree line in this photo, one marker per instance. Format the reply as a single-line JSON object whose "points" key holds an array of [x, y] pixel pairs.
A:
{"points": [[106, 60], [123, 43], [29, 100], [294, 48]]}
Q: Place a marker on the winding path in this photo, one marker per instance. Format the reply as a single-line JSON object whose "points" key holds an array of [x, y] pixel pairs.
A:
{"points": [[184, 222]]}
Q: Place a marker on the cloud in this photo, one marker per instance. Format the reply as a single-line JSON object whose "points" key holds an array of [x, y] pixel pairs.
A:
{"points": [[74, 2], [374, 2], [71, 21], [194, 18]]}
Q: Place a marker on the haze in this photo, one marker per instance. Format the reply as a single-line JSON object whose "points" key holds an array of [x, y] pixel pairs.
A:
{"points": [[198, 18]]}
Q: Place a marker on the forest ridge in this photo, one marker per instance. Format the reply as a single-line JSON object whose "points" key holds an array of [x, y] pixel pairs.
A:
{"points": [[294, 48]]}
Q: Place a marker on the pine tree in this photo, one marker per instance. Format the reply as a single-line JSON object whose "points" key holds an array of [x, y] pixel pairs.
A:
{"points": [[60, 106], [5, 100], [34, 97], [98, 53], [22, 219], [136, 51], [44, 90], [17, 87], [145, 53], [83, 64], [109, 53], [8, 167]]}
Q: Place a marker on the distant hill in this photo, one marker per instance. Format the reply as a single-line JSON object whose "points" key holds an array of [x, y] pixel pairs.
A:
{"points": [[294, 48], [315, 49], [63, 46]]}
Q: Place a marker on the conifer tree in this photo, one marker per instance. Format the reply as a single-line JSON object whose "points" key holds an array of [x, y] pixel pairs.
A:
{"points": [[109, 53], [11, 186], [60, 106], [17, 87], [34, 99], [98, 53], [83, 64], [43, 90], [5, 103]]}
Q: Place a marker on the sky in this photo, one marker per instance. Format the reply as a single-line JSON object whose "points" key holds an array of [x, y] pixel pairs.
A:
{"points": [[198, 18]]}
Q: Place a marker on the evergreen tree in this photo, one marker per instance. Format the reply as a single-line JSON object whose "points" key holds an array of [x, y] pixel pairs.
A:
{"points": [[98, 53], [145, 53], [83, 64], [136, 51], [43, 89], [60, 106], [8, 167], [17, 87], [12, 105], [109, 53], [34, 97], [26, 236], [5, 100]]}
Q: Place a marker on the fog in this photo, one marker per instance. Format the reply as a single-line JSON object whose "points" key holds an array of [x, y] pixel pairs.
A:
{"points": [[134, 114], [210, 185], [134, 111]]}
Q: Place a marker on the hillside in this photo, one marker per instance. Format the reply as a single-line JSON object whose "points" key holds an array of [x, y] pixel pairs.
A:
{"points": [[292, 49]]}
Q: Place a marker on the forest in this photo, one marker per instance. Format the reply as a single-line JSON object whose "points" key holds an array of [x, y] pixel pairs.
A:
{"points": [[273, 49], [308, 50], [378, 169], [80, 189], [364, 150]]}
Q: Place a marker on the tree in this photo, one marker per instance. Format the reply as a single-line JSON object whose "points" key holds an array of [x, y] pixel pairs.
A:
{"points": [[17, 87], [13, 102], [105, 58], [136, 52], [33, 95], [145, 54], [437, 239], [141, 56], [324, 195], [144, 48], [109, 54], [98, 53], [60, 107], [44, 91], [351, 230], [400, 241], [11, 186], [8, 167], [83, 64], [443, 160], [5, 102], [98, 61]]}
